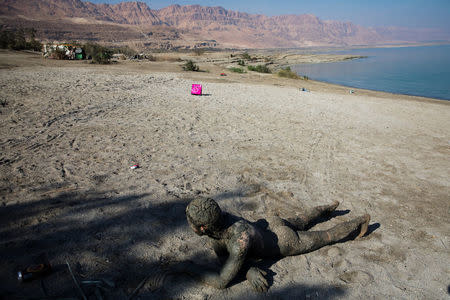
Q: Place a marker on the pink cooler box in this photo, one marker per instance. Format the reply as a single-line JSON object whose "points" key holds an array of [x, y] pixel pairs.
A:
{"points": [[196, 89]]}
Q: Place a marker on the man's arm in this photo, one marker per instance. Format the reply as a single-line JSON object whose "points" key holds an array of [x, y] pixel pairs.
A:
{"points": [[237, 248], [220, 249]]}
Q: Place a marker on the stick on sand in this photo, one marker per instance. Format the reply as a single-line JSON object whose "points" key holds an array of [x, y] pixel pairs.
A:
{"points": [[76, 282], [138, 287]]}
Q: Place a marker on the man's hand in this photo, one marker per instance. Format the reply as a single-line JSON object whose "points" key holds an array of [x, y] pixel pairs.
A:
{"points": [[256, 278]]}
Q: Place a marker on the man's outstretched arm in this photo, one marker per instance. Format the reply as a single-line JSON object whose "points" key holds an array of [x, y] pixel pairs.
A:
{"points": [[237, 249]]}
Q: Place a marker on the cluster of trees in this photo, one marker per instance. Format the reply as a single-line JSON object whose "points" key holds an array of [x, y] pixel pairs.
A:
{"points": [[102, 55], [191, 66], [259, 69], [98, 53], [20, 39], [25, 39]]}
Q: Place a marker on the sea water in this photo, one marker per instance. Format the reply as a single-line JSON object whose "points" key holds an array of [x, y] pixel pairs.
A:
{"points": [[420, 71]]}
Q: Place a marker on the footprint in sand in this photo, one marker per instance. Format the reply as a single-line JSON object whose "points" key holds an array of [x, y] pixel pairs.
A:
{"points": [[357, 276], [335, 251]]}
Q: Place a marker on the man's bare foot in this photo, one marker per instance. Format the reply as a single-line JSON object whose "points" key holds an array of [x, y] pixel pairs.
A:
{"points": [[334, 205], [364, 226], [328, 209]]}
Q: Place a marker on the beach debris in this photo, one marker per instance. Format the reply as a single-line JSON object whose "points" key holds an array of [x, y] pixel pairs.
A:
{"points": [[99, 285], [32, 272], [76, 282], [351, 91], [196, 89], [136, 166], [140, 285], [99, 282], [98, 294], [44, 289], [108, 282], [223, 74], [304, 89], [35, 271], [89, 282]]}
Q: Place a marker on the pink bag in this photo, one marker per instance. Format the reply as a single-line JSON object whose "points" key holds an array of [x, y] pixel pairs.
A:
{"points": [[196, 89]]}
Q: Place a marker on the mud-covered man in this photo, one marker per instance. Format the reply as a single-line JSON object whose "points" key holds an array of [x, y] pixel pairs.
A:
{"points": [[272, 237]]}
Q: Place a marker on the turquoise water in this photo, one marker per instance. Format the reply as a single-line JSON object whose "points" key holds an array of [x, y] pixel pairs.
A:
{"points": [[420, 71]]}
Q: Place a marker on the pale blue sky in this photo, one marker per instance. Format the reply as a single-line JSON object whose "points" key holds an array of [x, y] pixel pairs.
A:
{"points": [[408, 13]]}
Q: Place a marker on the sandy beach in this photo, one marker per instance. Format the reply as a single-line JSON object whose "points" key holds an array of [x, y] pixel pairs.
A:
{"points": [[71, 130]]}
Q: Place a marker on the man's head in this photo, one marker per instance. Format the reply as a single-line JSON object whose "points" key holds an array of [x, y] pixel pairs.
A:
{"points": [[204, 216]]}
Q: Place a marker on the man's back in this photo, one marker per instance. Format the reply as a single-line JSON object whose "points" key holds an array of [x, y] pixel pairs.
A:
{"points": [[263, 242]]}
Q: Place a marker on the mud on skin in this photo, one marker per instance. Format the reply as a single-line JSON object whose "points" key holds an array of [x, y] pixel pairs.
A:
{"points": [[243, 241]]}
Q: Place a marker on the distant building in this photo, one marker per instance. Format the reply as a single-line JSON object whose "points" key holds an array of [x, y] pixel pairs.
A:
{"points": [[63, 51]]}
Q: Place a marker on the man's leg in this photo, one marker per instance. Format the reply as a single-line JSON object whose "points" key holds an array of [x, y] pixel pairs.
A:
{"points": [[312, 240], [300, 221]]}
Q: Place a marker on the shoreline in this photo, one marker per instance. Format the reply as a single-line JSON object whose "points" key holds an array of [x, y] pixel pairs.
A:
{"points": [[354, 75], [211, 64], [338, 48], [385, 94]]}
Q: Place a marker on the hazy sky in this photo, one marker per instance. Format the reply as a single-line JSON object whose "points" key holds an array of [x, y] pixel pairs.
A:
{"points": [[408, 13]]}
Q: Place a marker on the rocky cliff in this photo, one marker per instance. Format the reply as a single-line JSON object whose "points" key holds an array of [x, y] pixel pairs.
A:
{"points": [[191, 25]]}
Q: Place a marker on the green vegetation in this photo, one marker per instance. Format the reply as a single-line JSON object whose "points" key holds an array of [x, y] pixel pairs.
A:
{"points": [[259, 69], [98, 53], [190, 66], [241, 62], [247, 56], [20, 39], [355, 57], [286, 72], [237, 70]]}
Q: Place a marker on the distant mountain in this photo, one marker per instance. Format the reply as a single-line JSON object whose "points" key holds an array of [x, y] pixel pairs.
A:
{"points": [[122, 13], [236, 28], [192, 26]]}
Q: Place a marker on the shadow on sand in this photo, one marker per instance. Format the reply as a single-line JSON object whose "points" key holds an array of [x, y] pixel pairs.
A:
{"points": [[94, 232], [98, 235]]}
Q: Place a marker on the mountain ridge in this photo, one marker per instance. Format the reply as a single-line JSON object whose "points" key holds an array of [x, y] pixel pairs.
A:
{"points": [[191, 26]]}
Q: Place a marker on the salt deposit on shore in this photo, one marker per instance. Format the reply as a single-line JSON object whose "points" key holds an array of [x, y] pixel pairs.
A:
{"points": [[70, 134]]}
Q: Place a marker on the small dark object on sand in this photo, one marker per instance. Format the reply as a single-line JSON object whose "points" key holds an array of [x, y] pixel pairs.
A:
{"points": [[35, 271]]}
